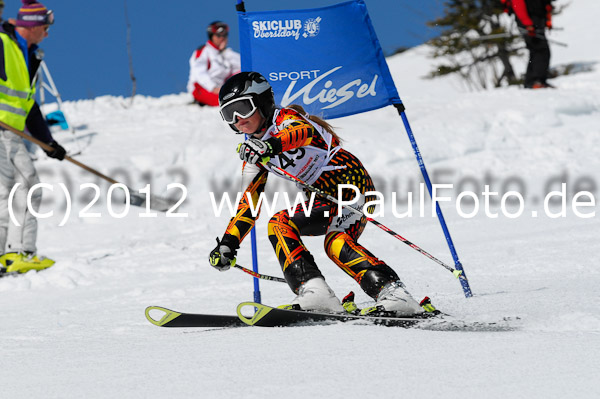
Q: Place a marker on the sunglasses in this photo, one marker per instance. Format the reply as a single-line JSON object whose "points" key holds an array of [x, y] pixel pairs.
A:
{"points": [[242, 107], [49, 20]]}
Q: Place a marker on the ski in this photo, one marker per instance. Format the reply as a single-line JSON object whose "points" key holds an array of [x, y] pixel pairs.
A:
{"points": [[172, 318], [267, 316]]}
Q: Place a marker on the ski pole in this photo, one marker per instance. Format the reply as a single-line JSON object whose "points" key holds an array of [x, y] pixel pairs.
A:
{"points": [[456, 273], [543, 37], [153, 202], [258, 275], [494, 36]]}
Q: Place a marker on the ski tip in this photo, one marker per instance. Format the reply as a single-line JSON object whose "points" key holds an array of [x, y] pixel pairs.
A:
{"points": [[259, 312], [168, 315]]}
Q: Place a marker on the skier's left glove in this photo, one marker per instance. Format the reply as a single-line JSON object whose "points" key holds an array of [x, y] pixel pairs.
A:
{"points": [[57, 152], [223, 256], [254, 150]]}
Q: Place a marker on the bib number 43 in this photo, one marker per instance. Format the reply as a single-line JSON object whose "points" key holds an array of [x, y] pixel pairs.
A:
{"points": [[286, 161]]}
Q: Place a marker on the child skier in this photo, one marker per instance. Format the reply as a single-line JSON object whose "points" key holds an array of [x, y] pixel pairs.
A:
{"points": [[307, 147]]}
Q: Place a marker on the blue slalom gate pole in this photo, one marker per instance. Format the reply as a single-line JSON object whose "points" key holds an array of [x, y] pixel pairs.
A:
{"points": [[255, 265], [463, 281], [346, 24], [240, 7]]}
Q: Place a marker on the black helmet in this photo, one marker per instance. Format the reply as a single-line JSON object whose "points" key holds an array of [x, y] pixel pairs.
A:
{"points": [[246, 85], [217, 27]]}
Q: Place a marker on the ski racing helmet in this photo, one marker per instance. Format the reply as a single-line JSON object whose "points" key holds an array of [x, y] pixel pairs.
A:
{"points": [[244, 93], [217, 28]]}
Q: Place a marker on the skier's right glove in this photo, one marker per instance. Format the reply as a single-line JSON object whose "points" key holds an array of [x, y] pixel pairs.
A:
{"points": [[531, 31], [223, 256]]}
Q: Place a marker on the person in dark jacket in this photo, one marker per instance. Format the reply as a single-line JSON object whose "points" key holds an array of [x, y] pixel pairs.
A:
{"points": [[533, 18], [19, 61]]}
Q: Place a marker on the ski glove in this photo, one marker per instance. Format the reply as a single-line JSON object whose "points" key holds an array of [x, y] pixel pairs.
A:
{"points": [[253, 150], [57, 152], [223, 256]]}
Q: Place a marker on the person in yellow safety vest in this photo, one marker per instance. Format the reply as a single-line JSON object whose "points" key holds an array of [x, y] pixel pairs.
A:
{"points": [[19, 61]]}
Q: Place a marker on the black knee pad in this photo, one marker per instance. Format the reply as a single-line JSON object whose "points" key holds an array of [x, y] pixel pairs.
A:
{"points": [[300, 271], [376, 278]]}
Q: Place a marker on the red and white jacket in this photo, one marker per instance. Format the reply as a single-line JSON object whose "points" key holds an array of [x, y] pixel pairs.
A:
{"points": [[210, 67]]}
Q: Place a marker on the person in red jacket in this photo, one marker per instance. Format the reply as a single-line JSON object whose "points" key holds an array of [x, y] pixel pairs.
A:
{"points": [[533, 18], [211, 64]]}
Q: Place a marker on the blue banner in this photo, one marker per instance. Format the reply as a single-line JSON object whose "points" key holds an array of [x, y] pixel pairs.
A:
{"points": [[326, 59]]}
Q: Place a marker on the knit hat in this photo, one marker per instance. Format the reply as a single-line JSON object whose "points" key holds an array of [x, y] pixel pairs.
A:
{"points": [[34, 14]]}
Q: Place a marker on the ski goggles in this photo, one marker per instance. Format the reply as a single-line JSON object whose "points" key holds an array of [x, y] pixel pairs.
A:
{"points": [[242, 107]]}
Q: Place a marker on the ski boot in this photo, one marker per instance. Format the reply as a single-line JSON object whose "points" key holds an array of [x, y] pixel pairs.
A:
{"points": [[22, 262], [394, 300], [316, 295]]}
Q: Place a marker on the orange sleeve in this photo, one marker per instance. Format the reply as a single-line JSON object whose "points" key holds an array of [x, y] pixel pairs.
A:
{"points": [[296, 132], [243, 221]]}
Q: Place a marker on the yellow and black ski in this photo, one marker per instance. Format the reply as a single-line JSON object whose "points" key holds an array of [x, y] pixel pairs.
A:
{"points": [[267, 316], [170, 318]]}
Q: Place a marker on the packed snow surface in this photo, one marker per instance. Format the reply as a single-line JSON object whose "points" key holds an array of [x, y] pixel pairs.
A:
{"points": [[78, 329]]}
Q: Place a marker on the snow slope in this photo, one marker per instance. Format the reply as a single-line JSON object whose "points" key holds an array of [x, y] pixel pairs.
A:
{"points": [[78, 329]]}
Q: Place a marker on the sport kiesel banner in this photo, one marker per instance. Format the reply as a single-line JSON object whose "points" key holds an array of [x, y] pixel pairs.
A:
{"points": [[329, 61], [326, 59]]}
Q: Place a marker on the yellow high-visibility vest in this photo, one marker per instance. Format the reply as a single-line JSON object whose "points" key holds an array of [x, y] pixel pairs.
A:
{"points": [[16, 92]]}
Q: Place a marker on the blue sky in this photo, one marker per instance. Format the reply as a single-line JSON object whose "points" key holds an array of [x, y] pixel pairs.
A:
{"points": [[86, 51]]}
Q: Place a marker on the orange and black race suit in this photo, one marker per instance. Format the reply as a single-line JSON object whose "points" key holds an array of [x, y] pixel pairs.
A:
{"points": [[291, 136]]}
